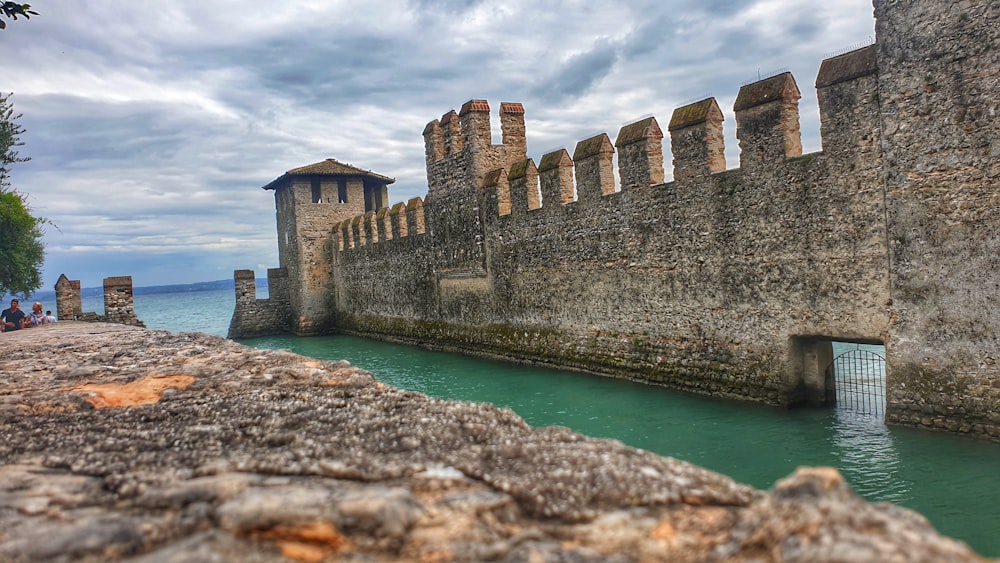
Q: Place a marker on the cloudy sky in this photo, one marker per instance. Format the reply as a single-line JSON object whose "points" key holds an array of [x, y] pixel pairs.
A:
{"points": [[153, 125]]}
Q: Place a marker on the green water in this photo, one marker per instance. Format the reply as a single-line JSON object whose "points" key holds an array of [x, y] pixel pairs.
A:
{"points": [[951, 480]]}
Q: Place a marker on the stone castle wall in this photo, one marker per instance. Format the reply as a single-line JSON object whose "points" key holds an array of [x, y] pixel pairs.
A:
{"points": [[697, 284], [258, 317], [942, 165], [118, 302], [725, 282]]}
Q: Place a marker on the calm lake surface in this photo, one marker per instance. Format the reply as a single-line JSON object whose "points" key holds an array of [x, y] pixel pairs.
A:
{"points": [[953, 481]]}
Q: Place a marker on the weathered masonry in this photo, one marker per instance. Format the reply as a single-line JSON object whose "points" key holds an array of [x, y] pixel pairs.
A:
{"points": [[118, 302], [724, 282], [309, 201]]}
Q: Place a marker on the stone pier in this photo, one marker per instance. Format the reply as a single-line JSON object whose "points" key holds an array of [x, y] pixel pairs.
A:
{"points": [[118, 442]]}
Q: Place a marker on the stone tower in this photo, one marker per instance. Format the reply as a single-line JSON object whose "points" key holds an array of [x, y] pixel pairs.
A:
{"points": [[459, 154], [940, 116], [69, 304], [309, 201]]}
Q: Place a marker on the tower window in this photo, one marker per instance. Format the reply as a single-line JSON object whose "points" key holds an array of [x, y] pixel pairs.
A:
{"points": [[317, 193], [341, 190]]}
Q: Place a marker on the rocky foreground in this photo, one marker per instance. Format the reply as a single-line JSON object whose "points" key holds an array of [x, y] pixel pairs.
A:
{"points": [[123, 443]]}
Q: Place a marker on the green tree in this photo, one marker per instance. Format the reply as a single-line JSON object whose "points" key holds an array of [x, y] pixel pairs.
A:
{"points": [[21, 250], [13, 9]]}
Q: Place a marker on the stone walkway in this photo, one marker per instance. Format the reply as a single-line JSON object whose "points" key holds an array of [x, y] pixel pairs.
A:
{"points": [[119, 442]]}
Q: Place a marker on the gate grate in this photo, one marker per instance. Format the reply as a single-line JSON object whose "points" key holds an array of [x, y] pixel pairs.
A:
{"points": [[855, 381]]}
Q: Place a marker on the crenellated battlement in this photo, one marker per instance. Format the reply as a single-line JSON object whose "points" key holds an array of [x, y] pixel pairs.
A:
{"points": [[767, 120], [459, 148], [385, 225], [466, 171], [469, 131]]}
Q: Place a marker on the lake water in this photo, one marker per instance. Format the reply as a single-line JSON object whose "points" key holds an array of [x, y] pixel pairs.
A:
{"points": [[951, 480]]}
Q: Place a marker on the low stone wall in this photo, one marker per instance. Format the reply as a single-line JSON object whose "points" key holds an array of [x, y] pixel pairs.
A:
{"points": [[119, 442], [118, 302], [258, 317]]}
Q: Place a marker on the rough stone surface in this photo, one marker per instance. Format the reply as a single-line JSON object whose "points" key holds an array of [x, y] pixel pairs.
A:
{"points": [[213, 451], [941, 141]]}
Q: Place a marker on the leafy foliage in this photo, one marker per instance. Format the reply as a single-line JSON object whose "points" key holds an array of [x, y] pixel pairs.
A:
{"points": [[13, 9], [21, 250], [10, 132]]}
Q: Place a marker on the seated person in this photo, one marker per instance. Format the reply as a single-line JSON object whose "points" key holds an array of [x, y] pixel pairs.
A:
{"points": [[37, 317], [12, 318]]}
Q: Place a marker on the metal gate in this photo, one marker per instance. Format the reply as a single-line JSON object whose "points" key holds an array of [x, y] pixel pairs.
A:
{"points": [[855, 381]]}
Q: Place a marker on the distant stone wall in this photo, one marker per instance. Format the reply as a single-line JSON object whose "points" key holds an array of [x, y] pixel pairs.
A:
{"points": [[258, 317], [119, 306]]}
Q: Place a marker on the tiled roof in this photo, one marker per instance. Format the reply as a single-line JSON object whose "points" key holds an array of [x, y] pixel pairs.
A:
{"points": [[474, 106], [328, 167], [511, 107]]}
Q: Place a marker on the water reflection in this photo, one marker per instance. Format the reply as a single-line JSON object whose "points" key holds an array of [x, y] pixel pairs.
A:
{"points": [[867, 456]]}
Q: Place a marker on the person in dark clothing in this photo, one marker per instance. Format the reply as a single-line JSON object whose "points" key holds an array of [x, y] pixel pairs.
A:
{"points": [[12, 318]]}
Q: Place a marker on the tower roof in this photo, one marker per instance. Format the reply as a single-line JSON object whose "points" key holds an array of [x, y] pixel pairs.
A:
{"points": [[328, 167]]}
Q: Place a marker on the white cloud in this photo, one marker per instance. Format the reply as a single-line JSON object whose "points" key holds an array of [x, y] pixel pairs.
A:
{"points": [[153, 125]]}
